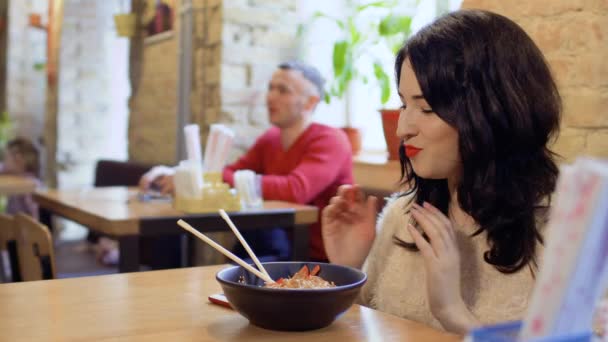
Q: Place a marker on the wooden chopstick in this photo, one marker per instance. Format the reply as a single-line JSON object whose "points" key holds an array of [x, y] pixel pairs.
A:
{"points": [[243, 242], [224, 251]]}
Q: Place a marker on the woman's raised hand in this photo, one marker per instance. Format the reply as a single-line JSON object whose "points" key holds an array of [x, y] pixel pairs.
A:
{"points": [[442, 264], [348, 226]]}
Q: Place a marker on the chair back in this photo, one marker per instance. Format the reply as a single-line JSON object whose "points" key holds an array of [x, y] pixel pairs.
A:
{"points": [[117, 173], [9, 267], [7, 230], [34, 248]]}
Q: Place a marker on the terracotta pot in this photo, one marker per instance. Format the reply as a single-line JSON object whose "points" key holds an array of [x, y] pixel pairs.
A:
{"points": [[390, 117], [35, 20], [354, 136]]}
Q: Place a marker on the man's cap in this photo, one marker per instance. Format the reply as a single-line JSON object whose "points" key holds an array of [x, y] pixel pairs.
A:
{"points": [[309, 72]]}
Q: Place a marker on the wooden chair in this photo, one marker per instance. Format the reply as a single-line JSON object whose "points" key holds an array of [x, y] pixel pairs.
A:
{"points": [[7, 242], [156, 252], [34, 249], [8, 249], [113, 172], [116, 173]]}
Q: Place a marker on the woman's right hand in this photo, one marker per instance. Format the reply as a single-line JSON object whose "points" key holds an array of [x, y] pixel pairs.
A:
{"points": [[348, 226]]}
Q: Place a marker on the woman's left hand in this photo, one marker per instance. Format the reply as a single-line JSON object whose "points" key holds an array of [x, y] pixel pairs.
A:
{"points": [[442, 264]]}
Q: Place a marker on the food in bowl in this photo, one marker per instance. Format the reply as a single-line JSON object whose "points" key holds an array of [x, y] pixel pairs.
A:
{"points": [[303, 279], [291, 309]]}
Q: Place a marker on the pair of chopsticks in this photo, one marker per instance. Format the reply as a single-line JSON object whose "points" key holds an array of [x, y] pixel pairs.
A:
{"points": [[262, 275]]}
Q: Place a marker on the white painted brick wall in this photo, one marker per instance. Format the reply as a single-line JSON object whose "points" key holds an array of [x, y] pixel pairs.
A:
{"points": [[26, 87], [256, 37], [92, 100], [92, 114], [234, 75]]}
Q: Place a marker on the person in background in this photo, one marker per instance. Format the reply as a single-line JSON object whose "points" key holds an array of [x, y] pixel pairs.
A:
{"points": [[299, 161], [21, 157], [460, 246]]}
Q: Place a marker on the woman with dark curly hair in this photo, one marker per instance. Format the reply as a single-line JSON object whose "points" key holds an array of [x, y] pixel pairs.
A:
{"points": [[460, 246]]}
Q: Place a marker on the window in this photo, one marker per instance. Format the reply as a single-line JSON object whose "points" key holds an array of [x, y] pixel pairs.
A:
{"points": [[316, 47]]}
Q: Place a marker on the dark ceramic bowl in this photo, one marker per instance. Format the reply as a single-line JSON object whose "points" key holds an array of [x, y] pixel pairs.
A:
{"points": [[291, 309]]}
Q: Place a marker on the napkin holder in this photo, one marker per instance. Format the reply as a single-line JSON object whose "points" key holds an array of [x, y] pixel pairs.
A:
{"points": [[215, 195], [509, 332]]}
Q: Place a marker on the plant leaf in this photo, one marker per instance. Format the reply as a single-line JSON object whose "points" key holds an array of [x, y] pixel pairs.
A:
{"points": [[339, 57], [377, 4], [337, 21], [344, 79], [300, 30], [396, 46], [355, 35], [384, 82], [394, 24], [39, 66]]}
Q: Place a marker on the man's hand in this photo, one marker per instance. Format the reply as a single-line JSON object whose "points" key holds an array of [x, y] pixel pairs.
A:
{"points": [[165, 184], [159, 178]]}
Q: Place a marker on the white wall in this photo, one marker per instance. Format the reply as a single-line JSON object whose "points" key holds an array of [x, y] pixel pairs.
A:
{"points": [[26, 86], [93, 91], [316, 48]]}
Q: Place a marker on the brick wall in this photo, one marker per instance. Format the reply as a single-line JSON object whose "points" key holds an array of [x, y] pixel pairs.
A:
{"points": [[153, 105], [236, 47], [573, 35]]}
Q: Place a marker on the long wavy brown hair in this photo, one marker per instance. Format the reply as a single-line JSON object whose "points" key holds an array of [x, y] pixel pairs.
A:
{"points": [[484, 76]]}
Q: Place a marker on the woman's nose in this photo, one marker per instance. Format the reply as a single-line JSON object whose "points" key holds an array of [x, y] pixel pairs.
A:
{"points": [[405, 127]]}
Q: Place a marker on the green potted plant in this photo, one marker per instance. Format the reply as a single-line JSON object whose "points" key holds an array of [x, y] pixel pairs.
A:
{"points": [[359, 41]]}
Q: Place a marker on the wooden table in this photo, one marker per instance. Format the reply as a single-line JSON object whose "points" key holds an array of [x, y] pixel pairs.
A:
{"points": [[16, 185], [374, 171], [117, 212], [168, 305]]}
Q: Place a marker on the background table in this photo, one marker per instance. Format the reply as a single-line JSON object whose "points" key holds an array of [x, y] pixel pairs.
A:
{"points": [[16, 185], [117, 212], [168, 305]]}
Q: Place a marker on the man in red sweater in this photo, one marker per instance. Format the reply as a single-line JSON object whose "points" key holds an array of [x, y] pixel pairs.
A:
{"points": [[299, 161]]}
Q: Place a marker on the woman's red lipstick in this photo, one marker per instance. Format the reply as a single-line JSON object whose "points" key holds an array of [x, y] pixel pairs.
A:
{"points": [[411, 151]]}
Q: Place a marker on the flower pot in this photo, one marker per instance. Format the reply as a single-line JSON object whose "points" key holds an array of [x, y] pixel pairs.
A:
{"points": [[125, 24], [390, 117], [35, 20], [354, 137]]}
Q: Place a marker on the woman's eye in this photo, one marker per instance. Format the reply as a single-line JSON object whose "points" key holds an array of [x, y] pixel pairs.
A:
{"points": [[427, 111]]}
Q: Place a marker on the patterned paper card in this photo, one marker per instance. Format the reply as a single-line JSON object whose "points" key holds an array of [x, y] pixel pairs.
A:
{"points": [[573, 270]]}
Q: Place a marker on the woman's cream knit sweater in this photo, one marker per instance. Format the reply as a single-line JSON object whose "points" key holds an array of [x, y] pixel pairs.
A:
{"points": [[396, 277]]}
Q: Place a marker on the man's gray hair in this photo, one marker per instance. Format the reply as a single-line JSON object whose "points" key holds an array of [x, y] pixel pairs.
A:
{"points": [[309, 72]]}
